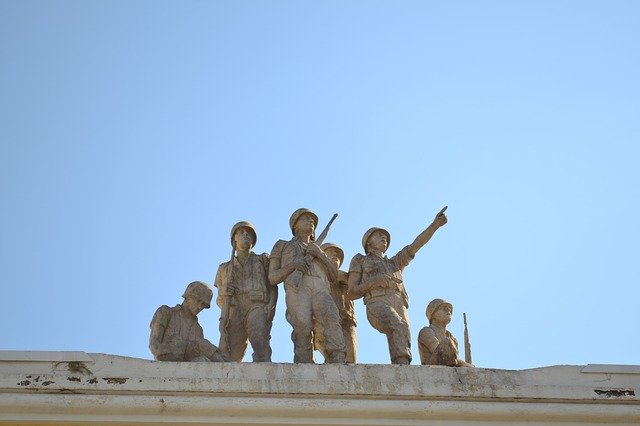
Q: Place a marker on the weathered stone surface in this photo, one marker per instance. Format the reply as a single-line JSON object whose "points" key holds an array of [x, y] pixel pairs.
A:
{"points": [[127, 390]]}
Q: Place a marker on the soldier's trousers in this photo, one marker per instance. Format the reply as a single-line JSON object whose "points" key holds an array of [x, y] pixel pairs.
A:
{"points": [[392, 320], [248, 322], [312, 299], [349, 334]]}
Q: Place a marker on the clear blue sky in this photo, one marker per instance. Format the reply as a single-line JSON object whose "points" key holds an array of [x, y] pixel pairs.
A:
{"points": [[133, 135]]}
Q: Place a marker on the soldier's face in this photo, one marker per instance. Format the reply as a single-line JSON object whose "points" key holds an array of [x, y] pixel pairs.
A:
{"points": [[306, 223], [193, 305], [243, 239], [334, 255], [378, 241], [443, 314]]}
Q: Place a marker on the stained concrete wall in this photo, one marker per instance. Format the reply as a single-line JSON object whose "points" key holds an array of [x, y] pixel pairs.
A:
{"points": [[63, 388]]}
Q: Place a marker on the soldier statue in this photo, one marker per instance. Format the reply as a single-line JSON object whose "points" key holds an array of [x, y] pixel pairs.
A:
{"points": [[307, 271], [246, 299], [340, 296], [436, 344], [378, 279], [176, 334]]}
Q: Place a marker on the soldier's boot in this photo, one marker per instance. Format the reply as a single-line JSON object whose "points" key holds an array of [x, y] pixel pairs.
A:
{"points": [[401, 360], [337, 357]]}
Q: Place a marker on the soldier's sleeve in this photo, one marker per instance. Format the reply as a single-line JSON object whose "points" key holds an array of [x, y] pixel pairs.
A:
{"points": [[356, 264], [219, 284], [355, 278], [427, 343], [275, 275], [264, 259], [158, 325], [402, 258], [276, 251]]}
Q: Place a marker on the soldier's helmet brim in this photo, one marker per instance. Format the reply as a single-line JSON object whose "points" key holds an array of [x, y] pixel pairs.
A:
{"points": [[326, 246], [434, 305], [199, 291], [249, 226], [296, 215], [369, 233]]}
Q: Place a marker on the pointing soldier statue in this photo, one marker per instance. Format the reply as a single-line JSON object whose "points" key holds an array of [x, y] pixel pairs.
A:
{"points": [[378, 279], [340, 296], [246, 299], [436, 344], [307, 271], [176, 334]]}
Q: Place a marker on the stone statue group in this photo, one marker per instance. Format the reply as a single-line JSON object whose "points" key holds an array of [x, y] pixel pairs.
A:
{"points": [[319, 300]]}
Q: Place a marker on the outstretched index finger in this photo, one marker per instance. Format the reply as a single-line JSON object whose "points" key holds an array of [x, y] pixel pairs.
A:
{"points": [[443, 210]]}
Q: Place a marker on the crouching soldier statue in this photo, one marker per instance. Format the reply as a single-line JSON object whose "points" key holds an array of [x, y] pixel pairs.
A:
{"points": [[436, 344], [176, 334], [246, 299]]}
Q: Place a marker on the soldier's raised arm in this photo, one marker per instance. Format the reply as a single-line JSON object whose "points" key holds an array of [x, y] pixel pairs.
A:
{"points": [[426, 235]]}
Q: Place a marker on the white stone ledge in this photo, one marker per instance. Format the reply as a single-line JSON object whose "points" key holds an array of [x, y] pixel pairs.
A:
{"points": [[309, 411], [611, 369], [120, 390], [46, 356]]}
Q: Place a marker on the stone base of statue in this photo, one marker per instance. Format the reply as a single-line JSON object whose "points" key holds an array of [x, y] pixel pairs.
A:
{"points": [[79, 388]]}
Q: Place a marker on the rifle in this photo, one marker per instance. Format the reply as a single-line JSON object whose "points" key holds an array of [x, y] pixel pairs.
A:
{"points": [[296, 275], [467, 344], [227, 296]]}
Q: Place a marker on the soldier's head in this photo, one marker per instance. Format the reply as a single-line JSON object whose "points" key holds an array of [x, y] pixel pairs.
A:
{"points": [[243, 236], [197, 297], [439, 311], [334, 253], [376, 239], [304, 221]]}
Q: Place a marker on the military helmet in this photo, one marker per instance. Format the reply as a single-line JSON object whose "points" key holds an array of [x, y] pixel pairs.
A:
{"points": [[326, 246], [296, 215], [199, 291], [367, 235], [249, 226], [433, 306]]}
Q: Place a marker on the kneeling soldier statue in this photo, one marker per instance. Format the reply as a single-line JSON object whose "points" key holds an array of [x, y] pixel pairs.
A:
{"points": [[176, 334], [436, 344]]}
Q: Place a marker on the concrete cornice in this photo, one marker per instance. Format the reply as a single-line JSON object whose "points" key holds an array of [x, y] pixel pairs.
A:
{"points": [[128, 390]]}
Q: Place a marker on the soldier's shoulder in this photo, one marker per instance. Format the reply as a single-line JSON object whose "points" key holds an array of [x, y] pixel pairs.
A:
{"points": [[163, 313], [425, 333], [358, 258], [278, 247]]}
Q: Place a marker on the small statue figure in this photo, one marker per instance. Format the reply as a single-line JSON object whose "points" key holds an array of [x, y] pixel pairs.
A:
{"points": [[339, 288], [246, 299], [378, 279], [436, 344], [176, 334], [307, 271]]}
